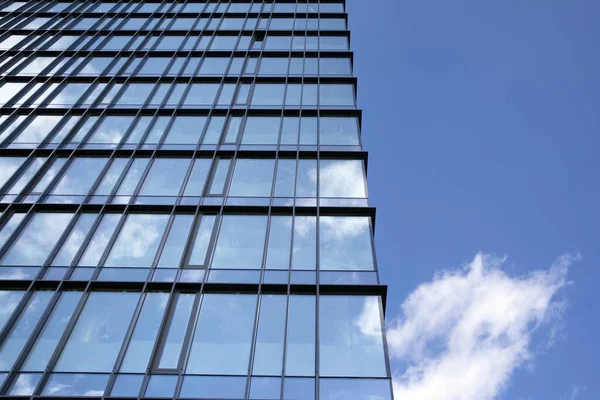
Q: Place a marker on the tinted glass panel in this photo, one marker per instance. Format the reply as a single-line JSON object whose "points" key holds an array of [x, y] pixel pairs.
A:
{"points": [[241, 242], [345, 243]]}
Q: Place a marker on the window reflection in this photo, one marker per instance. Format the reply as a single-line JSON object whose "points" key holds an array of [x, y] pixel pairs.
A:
{"points": [[345, 243], [241, 240]]}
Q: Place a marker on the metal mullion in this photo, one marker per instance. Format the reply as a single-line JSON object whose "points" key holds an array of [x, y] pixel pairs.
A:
{"points": [[163, 241], [189, 336], [253, 340], [285, 339]]}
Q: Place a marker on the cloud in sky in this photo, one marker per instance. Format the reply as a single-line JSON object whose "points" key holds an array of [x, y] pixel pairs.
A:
{"points": [[462, 335]]}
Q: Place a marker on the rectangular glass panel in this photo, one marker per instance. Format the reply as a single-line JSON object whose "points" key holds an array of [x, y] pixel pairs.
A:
{"points": [[355, 389], [300, 347], [145, 333], [176, 333], [10, 300], [176, 241], [252, 178], [306, 183], [102, 235], [111, 176], [202, 241], [241, 242], [186, 130], [286, 178], [74, 240], [220, 176], [350, 337], [268, 353], [21, 330], [345, 243], [99, 332], [42, 350], [197, 179], [165, 177], [80, 176], [138, 241], [304, 255], [223, 338], [341, 178], [35, 242], [280, 242]]}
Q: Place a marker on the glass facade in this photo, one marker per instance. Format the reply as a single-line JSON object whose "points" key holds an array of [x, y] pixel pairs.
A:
{"points": [[184, 211]]}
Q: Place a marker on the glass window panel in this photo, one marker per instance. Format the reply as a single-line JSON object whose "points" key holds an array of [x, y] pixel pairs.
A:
{"points": [[35, 242], [214, 66], [25, 385], [355, 389], [293, 96], [158, 129], [306, 185], [289, 131], [336, 95], [308, 131], [145, 333], [273, 66], [197, 179], [280, 243], [241, 242], [226, 94], [111, 129], [38, 129], [176, 241], [73, 242], [334, 66], [223, 338], [201, 94], [76, 385], [300, 347], [268, 94], [299, 388], [80, 176], [42, 350], [305, 243], [186, 130], [136, 134], [233, 129], [278, 43], [252, 178], [127, 385], [97, 336], [265, 388], [213, 132], [165, 177], [22, 329], [177, 329], [10, 300], [213, 387], [161, 386], [261, 130], [111, 176], [339, 131], [138, 241], [55, 168], [350, 336], [9, 227], [345, 243], [69, 94], [136, 94], [96, 65], [309, 94], [286, 178], [268, 353], [32, 168], [342, 178], [202, 240], [220, 176], [8, 166], [133, 176], [96, 247]]}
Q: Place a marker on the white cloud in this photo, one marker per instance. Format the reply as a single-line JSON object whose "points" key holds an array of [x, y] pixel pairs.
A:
{"points": [[463, 335]]}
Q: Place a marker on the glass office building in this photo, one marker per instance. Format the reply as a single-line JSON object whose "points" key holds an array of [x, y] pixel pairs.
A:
{"points": [[184, 209]]}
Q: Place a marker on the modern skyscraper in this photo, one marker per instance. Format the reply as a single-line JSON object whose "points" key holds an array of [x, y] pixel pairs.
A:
{"points": [[184, 204]]}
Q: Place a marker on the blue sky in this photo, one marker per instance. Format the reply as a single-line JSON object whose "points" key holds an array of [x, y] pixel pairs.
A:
{"points": [[483, 123]]}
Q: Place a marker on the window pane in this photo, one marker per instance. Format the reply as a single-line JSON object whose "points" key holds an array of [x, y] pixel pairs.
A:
{"points": [[355, 389], [38, 129], [177, 329], [300, 348], [80, 176], [22, 329], [286, 178], [252, 178], [305, 243], [201, 94], [76, 385], [99, 332], [268, 94], [202, 240], [111, 130], [74, 240], [261, 130], [176, 241], [165, 177], [138, 241], [38, 357], [213, 387], [339, 131], [268, 353], [96, 247], [350, 336], [345, 243], [280, 242], [111, 176], [197, 179], [142, 341], [219, 176], [10, 300], [306, 185], [186, 130], [223, 337], [341, 178], [136, 94], [336, 95], [241, 242], [8, 166], [34, 244]]}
